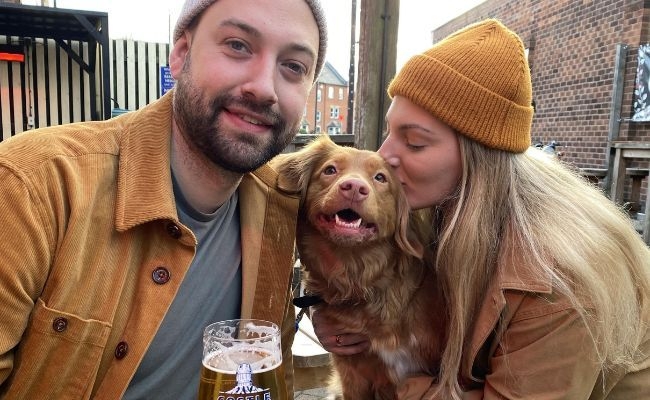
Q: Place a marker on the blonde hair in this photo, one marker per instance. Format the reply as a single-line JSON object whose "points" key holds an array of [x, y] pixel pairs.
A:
{"points": [[565, 227]]}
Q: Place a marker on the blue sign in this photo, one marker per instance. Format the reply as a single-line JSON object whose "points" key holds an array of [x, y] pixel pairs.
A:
{"points": [[166, 80]]}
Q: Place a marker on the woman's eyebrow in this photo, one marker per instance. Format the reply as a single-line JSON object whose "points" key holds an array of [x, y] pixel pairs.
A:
{"points": [[406, 127]]}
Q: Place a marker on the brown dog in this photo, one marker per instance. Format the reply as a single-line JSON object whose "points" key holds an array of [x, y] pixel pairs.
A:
{"points": [[361, 256]]}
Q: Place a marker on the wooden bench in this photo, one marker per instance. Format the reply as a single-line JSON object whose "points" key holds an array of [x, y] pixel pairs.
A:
{"points": [[594, 175]]}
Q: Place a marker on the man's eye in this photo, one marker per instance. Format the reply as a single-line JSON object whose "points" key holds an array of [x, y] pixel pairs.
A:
{"points": [[296, 68], [237, 45], [329, 170]]}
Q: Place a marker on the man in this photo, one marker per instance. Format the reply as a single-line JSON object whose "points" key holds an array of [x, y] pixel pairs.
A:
{"points": [[123, 239]]}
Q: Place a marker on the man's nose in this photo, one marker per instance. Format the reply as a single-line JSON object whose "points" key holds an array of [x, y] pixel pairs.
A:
{"points": [[261, 83]]}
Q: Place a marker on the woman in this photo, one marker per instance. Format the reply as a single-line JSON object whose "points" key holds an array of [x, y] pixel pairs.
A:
{"points": [[545, 283]]}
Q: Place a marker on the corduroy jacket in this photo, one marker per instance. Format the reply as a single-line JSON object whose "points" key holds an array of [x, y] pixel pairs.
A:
{"points": [[92, 254], [530, 343]]}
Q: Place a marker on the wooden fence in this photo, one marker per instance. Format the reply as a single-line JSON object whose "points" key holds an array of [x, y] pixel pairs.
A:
{"points": [[50, 88]]}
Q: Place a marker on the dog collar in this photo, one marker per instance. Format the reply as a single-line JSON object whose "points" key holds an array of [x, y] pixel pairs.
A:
{"points": [[307, 301]]}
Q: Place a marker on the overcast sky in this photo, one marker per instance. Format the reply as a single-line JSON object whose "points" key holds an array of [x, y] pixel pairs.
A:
{"points": [[153, 20]]}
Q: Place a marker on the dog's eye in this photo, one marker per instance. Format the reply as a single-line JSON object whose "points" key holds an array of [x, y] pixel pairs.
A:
{"points": [[329, 170], [380, 178]]}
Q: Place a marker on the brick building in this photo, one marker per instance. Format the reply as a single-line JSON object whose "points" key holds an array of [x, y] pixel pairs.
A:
{"points": [[583, 60], [572, 54], [327, 104]]}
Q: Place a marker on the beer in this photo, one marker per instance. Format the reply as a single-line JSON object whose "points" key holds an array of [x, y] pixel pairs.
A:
{"points": [[242, 373], [242, 360]]}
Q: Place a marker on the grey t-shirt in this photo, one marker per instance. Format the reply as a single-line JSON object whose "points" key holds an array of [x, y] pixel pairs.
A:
{"points": [[210, 292]]}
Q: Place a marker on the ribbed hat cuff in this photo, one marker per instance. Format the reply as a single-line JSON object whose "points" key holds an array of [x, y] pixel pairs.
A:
{"points": [[192, 9], [469, 108]]}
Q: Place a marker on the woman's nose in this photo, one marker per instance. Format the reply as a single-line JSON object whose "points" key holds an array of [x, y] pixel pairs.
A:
{"points": [[387, 153]]}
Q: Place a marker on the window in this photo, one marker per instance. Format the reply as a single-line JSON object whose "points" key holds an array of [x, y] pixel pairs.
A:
{"points": [[318, 129], [319, 95], [333, 130], [317, 116], [341, 93], [330, 92], [334, 112]]}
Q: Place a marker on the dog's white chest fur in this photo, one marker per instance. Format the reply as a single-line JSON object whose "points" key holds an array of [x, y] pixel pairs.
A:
{"points": [[401, 360]]}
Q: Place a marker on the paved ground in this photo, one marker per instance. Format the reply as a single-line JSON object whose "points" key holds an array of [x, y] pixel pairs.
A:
{"points": [[311, 394], [310, 382]]}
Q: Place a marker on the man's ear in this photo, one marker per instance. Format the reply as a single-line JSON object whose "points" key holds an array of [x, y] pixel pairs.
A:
{"points": [[179, 53]]}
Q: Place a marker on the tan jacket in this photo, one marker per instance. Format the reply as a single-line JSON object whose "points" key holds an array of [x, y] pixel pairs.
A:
{"points": [[529, 343], [92, 254]]}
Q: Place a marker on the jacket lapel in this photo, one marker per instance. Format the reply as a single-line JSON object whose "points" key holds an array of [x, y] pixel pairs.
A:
{"points": [[514, 273], [267, 245]]}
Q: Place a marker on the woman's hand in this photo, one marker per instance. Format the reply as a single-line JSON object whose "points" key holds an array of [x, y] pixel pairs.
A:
{"points": [[334, 336]]}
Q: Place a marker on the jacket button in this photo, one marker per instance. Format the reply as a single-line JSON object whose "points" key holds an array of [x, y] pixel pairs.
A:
{"points": [[60, 324], [173, 230], [121, 349], [160, 275]]}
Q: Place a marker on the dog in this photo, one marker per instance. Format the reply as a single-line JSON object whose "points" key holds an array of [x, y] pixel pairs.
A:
{"points": [[361, 254]]}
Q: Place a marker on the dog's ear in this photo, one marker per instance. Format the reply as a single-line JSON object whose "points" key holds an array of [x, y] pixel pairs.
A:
{"points": [[288, 178], [295, 169], [406, 232]]}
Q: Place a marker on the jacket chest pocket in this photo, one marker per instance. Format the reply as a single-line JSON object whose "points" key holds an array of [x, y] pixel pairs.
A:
{"points": [[58, 357]]}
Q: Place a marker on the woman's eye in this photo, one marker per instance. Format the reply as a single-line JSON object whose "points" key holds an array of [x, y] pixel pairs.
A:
{"points": [[329, 170], [380, 177], [414, 146]]}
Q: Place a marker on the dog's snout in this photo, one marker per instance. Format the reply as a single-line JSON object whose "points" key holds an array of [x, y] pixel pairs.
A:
{"points": [[354, 189]]}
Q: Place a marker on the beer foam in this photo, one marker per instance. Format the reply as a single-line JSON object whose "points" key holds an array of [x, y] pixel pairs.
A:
{"points": [[228, 360], [250, 330], [255, 330]]}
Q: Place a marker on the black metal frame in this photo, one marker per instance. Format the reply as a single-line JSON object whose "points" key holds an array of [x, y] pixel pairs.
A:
{"points": [[60, 24]]}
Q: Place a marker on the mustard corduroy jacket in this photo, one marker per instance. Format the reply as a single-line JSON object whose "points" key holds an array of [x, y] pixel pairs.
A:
{"points": [[92, 254]]}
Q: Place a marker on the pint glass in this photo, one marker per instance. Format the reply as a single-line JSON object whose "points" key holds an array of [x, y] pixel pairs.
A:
{"points": [[242, 360]]}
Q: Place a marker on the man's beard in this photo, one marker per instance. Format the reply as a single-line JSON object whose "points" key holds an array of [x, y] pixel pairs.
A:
{"points": [[198, 119]]}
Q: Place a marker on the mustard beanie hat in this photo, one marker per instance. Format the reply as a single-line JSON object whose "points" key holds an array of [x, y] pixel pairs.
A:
{"points": [[193, 8], [477, 81]]}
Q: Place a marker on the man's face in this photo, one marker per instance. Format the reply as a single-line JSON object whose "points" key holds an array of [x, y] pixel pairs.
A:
{"points": [[243, 75]]}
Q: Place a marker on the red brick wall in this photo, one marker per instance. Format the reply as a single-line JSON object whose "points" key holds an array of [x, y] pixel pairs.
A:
{"points": [[572, 56], [324, 107]]}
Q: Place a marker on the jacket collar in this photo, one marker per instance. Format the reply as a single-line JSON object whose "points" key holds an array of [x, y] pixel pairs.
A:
{"points": [[144, 188]]}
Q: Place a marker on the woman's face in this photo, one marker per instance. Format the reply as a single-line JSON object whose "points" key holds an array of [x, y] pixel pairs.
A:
{"points": [[423, 151]]}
